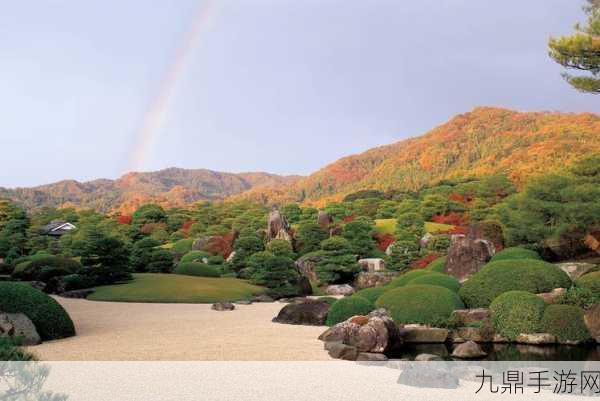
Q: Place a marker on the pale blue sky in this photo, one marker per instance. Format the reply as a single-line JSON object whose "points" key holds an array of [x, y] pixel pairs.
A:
{"points": [[284, 86]]}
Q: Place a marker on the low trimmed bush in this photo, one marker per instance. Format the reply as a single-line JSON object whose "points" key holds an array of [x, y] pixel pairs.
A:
{"points": [[197, 269], [515, 252], [195, 256], [46, 267], [426, 304], [405, 278], [50, 319], [345, 308], [590, 281], [439, 279], [495, 278], [579, 296], [566, 322], [517, 312], [76, 282], [437, 265], [371, 294]]}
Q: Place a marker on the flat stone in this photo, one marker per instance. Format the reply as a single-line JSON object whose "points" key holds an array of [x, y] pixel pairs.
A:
{"points": [[536, 339], [468, 350], [262, 298], [309, 312], [223, 306], [371, 357], [423, 334], [476, 334], [553, 296], [340, 289], [576, 269], [467, 316], [340, 350], [428, 357], [244, 302]]}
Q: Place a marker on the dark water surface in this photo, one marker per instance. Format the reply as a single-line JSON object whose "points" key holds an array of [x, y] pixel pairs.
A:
{"points": [[508, 352]]}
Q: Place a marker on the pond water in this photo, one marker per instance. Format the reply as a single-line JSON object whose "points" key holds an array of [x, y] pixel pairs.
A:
{"points": [[508, 352]]}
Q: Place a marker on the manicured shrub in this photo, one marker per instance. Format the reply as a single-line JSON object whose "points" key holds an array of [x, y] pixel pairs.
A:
{"points": [[50, 319], [76, 282], [579, 296], [439, 279], [517, 312], [345, 308], [426, 304], [515, 253], [195, 256], [371, 294], [46, 267], [407, 277], [182, 246], [590, 281], [566, 322], [498, 277], [437, 265], [196, 269]]}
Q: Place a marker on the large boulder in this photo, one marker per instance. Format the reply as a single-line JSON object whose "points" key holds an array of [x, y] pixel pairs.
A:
{"points": [[324, 219], [477, 334], [304, 286], [307, 264], [576, 269], [468, 350], [340, 350], [374, 279], [372, 334], [592, 321], [488, 230], [17, 325], [372, 264], [278, 227], [308, 312], [467, 255], [339, 289]]}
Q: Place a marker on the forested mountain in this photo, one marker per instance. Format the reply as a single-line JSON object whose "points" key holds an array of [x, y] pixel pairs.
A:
{"points": [[169, 187], [481, 142]]}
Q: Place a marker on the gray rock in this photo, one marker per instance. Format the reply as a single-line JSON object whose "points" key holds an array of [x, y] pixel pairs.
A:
{"points": [[380, 312], [340, 350], [262, 298], [372, 264], [373, 334], [371, 357], [428, 357], [200, 244], [19, 326], [244, 302], [307, 264], [340, 289], [373, 279], [464, 317], [278, 227], [423, 375], [536, 339], [78, 294], [324, 219], [468, 350], [467, 255], [576, 269], [223, 306], [309, 312], [422, 334]]}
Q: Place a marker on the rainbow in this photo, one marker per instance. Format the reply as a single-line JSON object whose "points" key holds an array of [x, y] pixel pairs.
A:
{"points": [[155, 116]]}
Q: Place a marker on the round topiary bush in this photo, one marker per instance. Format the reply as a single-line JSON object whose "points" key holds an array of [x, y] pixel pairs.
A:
{"points": [[517, 312], [345, 308], [50, 319], [590, 281], [515, 252], [371, 294], [498, 277], [195, 256], [439, 279], [426, 304], [566, 322], [407, 277], [197, 269], [437, 265]]}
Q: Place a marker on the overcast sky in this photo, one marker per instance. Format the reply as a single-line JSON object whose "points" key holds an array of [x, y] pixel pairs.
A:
{"points": [[284, 86]]}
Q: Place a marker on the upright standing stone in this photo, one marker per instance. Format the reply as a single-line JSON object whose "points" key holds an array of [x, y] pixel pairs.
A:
{"points": [[278, 227], [467, 254]]}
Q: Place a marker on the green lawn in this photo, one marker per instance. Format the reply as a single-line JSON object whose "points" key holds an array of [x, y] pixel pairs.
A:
{"points": [[388, 226], [175, 288]]}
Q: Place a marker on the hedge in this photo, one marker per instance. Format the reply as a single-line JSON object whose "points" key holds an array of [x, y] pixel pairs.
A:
{"points": [[517, 312], [439, 279], [437, 265], [590, 281], [345, 308], [426, 304], [195, 256], [50, 319], [515, 253], [495, 278], [566, 322], [197, 269], [371, 294], [407, 277]]}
